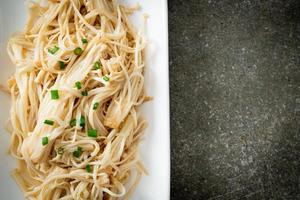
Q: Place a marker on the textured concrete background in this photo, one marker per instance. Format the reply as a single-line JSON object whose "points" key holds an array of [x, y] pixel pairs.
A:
{"points": [[235, 99]]}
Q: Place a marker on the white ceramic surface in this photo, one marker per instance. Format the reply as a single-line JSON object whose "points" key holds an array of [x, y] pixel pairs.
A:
{"points": [[155, 148]]}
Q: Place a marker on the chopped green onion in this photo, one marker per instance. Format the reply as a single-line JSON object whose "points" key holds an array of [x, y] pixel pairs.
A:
{"points": [[106, 78], [49, 122], [54, 94], [92, 133], [84, 40], [97, 65], [78, 85], [60, 151], [95, 106], [61, 65], [82, 121], [88, 168], [73, 122], [53, 50], [77, 152], [84, 93], [78, 51], [44, 141]]}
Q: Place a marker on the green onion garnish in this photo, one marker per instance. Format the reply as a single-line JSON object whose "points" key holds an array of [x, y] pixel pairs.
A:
{"points": [[49, 122], [61, 65], [78, 51], [97, 65], [84, 40], [84, 93], [78, 85], [88, 168], [54, 94], [53, 50], [77, 152], [92, 133], [82, 121], [44, 141], [73, 122], [60, 151], [106, 78], [95, 106]]}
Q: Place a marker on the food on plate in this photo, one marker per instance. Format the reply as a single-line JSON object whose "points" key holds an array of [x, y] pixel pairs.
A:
{"points": [[76, 92]]}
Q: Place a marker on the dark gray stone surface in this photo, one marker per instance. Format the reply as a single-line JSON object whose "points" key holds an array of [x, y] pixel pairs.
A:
{"points": [[235, 99]]}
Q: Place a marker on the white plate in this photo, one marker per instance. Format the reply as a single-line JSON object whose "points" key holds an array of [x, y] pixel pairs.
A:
{"points": [[155, 148]]}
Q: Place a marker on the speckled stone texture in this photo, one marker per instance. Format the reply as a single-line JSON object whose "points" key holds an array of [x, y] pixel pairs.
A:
{"points": [[235, 99]]}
